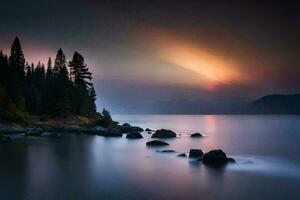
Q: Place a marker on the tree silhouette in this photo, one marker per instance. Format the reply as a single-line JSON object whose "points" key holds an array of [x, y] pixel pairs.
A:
{"points": [[39, 91], [83, 87], [16, 58], [17, 65]]}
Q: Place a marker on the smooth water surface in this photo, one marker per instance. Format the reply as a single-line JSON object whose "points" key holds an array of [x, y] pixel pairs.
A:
{"points": [[266, 148]]}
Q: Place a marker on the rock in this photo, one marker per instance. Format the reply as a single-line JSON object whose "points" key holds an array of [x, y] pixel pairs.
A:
{"points": [[149, 132], [134, 135], [102, 132], [156, 143], [126, 124], [216, 158], [163, 133], [148, 129], [34, 131], [127, 128], [196, 135], [4, 138], [112, 132], [231, 160], [195, 153], [181, 155], [167, 151]]}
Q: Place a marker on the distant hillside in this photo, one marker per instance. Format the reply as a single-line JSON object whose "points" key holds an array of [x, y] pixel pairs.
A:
{"points": [[184, 106], [276, 104], [270, 104]]}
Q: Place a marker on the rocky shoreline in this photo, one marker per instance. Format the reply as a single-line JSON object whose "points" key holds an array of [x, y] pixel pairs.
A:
{"points": [[215, 158]]}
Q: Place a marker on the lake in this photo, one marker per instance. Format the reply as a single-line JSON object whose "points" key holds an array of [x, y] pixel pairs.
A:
{"points": [[266, 148]]}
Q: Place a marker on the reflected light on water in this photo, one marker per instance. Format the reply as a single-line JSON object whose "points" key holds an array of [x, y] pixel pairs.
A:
{"points": [[210, 123]]}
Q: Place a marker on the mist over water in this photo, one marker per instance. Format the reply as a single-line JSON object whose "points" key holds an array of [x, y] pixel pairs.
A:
{"points": [[94, 167]]}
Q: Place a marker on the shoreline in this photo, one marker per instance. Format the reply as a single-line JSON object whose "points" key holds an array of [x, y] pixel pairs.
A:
{"points": [[76, 124]]}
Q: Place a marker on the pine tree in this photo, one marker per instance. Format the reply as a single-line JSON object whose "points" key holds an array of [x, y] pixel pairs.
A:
{"points": [[62, 85], [17, 65], [16, 58], [49, 73], [60, 62], [49, 92], [29, 87], [84, 91], [80, 72], [39, 88]]}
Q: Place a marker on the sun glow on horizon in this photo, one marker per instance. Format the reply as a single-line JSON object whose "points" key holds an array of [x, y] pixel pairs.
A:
{"points": [[213, 70]]}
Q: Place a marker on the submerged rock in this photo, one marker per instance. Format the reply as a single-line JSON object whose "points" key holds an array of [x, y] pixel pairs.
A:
{"points": [[167, 151], [216, 158], [181, 155], [195, 153], [134, 135], [196, 135], [164, 133], [156, 143]]}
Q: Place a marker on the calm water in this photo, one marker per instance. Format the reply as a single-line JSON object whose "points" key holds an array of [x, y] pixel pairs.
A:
{"points": [[266, 148]]}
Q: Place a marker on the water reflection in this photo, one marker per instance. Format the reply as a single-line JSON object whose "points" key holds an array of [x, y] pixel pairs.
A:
{"points": [[210, 123]]}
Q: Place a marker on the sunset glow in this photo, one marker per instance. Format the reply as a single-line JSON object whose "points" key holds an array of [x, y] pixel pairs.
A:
{"points": [[213, 70]]}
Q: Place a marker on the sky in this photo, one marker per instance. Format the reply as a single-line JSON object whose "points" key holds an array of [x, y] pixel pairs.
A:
{"points": [[145, 52]]}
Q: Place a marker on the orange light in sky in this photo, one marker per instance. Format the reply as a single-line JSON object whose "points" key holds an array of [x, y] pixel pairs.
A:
{"points": [[213, 69]]}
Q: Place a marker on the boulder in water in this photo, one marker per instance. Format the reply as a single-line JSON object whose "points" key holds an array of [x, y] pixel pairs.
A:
{"points": [[181, 155], [134, 135], [167, 151], [164, 133], [196, 135], [195, 153], [156, 143], [216, 158]]}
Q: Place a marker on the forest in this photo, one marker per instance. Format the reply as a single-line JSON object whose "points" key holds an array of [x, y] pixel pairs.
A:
{"points": [[59, 89]]}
